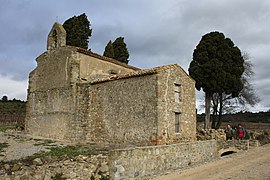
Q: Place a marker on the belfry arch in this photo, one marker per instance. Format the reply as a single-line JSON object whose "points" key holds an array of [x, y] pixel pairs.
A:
{"points": [[56, 37]]}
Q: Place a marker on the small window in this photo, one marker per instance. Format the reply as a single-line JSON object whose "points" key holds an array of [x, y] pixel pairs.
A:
{"points": [[113, 71], [177, 87], [177, 91], [177, 122]]}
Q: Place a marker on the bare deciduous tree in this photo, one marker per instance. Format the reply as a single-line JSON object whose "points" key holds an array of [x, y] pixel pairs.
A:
{"points": [[224, 104]]}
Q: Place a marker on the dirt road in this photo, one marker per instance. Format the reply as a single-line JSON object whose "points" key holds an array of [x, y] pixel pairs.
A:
{"points": [[251, 165]]}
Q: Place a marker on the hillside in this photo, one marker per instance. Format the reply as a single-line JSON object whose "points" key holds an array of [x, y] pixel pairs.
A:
{"points": [[12, 111], [260, 117]]}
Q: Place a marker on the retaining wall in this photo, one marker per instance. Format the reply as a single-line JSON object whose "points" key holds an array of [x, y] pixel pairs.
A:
{"points": [[236, 145], [145, 162]]}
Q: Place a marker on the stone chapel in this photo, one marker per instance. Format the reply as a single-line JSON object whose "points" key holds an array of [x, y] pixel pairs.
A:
{"points": [[80, 96]]}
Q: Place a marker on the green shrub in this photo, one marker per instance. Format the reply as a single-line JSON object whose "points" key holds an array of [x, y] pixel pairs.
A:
{"points": [[66, 151], [3, 145], [3, 128], [58, 176]]}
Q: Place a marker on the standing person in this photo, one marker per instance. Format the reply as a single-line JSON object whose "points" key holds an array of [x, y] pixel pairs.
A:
{"points": [[240, 132], [229, 132]]}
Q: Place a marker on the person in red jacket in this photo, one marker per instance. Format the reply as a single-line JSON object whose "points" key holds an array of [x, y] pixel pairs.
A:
{"points": [[240, 132]]}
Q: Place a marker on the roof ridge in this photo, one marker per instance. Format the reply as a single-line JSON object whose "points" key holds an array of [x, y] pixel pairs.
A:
{"points": [[98, 56], [125, 75], [136, 73], [165, 67]]}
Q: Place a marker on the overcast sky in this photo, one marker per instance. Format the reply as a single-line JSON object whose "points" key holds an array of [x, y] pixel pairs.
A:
{"points": [[157, 32]]}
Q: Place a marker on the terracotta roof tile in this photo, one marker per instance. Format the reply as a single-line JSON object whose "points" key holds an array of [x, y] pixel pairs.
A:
{"points": [[163, 68], [136, 73]]}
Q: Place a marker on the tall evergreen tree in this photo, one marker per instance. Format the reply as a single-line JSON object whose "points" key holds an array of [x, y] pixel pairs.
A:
{"points": [[228, 104], [120, 50], [117, 50], [217, 67], [78, 31], [109, 51]]}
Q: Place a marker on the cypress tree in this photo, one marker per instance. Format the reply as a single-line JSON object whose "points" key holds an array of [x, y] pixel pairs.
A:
{"points": [[117, 50], [120, 50], [217, 67], [109, 51], [78, 31]]}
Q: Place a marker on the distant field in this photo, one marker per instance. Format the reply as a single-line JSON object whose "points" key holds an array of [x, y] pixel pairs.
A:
{"points": [[250, 125], [246, 125], [12, 112]]}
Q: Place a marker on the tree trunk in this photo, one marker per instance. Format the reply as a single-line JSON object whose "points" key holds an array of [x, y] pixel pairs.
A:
{"points": [[220, 111], [207, 110], [214, 119], [215, 111]]}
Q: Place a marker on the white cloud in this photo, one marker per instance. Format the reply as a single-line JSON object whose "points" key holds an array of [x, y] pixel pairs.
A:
{"points": [[157, 32], [13, 88], [259, 107]]}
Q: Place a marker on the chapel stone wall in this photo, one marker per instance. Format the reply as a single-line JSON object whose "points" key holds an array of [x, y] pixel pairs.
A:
{"points": [[123, 111], [176, 100]]}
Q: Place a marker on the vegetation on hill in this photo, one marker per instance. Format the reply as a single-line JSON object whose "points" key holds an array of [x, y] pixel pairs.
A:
{"points": [[259, 117], [12, 106], [12, 111]]}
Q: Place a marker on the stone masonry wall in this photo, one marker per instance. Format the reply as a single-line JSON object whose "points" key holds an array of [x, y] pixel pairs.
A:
{"points": [[236, 145], [92, 68], [80, 122], [123, 111], [184, 103], [55, 102], [131, 163], [50, 113], [53, 70], [51, 95], [145, 162]]}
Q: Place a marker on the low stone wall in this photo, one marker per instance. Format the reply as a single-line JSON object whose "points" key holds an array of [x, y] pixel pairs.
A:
{"points": [[131, 163], [146, 162], [236, 145]]}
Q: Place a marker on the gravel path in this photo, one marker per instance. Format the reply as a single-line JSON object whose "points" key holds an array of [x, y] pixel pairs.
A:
{"points": [[21, 145]]}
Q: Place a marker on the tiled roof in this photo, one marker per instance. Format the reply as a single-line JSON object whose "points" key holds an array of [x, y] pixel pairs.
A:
{"points": [[95, 55], [162, 68], [136, 73]]}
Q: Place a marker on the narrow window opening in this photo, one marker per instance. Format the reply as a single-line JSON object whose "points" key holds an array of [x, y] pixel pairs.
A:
{"points": [[177, 122], [55, 38], [177, 91]]}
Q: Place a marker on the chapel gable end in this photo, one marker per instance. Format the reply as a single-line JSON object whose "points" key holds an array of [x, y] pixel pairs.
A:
{"points": [[56, 37]]}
